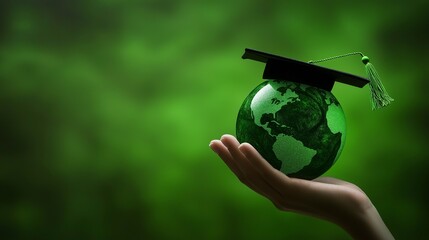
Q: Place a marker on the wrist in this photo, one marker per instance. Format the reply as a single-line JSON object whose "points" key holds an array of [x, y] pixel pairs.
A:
{"points": [[367, 224]]}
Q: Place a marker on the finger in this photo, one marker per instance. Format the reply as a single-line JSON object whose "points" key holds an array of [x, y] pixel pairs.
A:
{"points": [[297, 194], [218, 147], [223, 152], [232, 144], [239, 158], [278, 179], [272, 175], [252, 175]]}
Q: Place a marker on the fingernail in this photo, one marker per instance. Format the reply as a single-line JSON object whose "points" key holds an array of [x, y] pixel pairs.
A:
{"points": [[210, 145]]}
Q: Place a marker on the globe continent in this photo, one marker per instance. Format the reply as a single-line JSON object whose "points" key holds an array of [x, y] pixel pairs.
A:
{"points": [[299, 129]]}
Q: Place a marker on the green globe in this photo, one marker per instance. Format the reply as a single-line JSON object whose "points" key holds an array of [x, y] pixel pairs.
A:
{"points": [[299, 129]]}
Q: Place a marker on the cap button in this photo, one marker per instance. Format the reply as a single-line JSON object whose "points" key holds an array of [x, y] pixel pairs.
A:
{"points": [[365, 59]]}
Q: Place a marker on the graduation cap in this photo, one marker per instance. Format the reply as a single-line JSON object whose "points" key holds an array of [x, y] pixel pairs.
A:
{"points": [[281, 68]]}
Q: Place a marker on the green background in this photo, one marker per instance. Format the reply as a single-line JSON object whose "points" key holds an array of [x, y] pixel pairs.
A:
{"points": [[107, 109]]}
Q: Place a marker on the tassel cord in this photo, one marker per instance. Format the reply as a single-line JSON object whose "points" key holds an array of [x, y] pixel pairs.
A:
{"points": [[335, 57]]}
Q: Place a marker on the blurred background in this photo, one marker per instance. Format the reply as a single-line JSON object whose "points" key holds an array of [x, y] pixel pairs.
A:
{"points": [[107, 109]]}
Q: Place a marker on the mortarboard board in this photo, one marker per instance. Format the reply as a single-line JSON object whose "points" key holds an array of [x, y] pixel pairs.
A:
{"points": [[281, 68]]}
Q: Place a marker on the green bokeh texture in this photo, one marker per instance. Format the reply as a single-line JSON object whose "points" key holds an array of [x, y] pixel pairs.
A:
{"points": [[107, 109]]}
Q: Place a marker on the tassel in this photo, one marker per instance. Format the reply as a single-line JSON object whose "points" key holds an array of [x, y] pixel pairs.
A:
{"points": [[379, 96]]}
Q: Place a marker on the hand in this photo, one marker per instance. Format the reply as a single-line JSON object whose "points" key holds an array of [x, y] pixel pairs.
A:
{"points": [[331, 199]]}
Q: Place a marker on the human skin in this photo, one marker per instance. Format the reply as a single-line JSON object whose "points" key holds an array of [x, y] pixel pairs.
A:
{"points": [[331, 199]]}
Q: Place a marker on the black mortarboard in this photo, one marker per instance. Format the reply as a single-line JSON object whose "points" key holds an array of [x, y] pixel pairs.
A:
{"points": [[281, 68]]}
